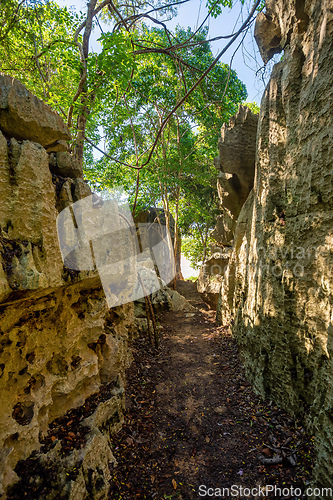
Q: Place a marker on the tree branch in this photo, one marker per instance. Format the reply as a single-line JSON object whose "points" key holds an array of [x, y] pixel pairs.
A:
{"points": [[110, 157], [165, 121]]}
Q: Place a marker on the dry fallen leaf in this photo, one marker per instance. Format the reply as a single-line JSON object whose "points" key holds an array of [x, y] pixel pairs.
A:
{"points": [[174, 484]]}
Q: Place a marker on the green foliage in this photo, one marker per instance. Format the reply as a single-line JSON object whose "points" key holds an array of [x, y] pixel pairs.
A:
{"points": [[113, 64], [130, 87], [216, 7], [253, 106], [193, 249], [156, 86], [198, 214], [181, 176], [39, 51]]}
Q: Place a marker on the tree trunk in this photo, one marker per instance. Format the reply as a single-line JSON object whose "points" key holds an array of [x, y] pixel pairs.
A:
{"points": [[85, 100]]}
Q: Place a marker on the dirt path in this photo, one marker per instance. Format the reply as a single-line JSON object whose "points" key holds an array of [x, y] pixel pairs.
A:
{"points": [[192, 419]]}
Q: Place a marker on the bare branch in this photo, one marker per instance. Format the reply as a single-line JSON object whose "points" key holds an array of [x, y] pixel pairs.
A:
{"points": [[168, 52], [122, 21], [137, 17], [42, 77], [96, 11]]}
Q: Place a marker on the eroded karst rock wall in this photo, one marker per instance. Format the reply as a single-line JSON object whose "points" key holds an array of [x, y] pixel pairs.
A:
{"points": [[278, 287], [211, 273], [63, 352], [235, 164]]}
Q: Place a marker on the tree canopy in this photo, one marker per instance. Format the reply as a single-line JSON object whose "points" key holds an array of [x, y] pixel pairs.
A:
{"points": [[151, 100]]}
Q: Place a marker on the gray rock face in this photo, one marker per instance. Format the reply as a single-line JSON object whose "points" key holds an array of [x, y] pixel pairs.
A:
{"points": [[268, 37], [210, 277], [237, 146], [154, 216], [279, 282], [24, 116], [65, 165], [163, 299]]}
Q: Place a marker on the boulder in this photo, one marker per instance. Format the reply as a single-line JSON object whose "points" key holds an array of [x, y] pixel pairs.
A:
{"points": [[150, 235], [25, 117], [210, 277], [268, 36], [65, 165], [179, 303], [163, 299]]}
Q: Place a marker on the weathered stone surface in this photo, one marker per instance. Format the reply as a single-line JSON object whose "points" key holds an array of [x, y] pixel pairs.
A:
{"points": [[29, 249], [81, 189], [232, 282], [237, 147], [209, 289], [179, 303], [210, 277], [63, 352], [72, 465], [268, 37], [150, 237], [65, 165], [24, 116], [164, 299], [280, 293], [61, 348]]}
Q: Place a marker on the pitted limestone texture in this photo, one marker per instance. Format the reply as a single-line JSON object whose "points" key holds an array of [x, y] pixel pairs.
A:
{"points": [[278, 286]]}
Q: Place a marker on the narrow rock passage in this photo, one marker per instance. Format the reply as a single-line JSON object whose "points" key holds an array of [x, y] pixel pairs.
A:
{"points": [[193, 422]]}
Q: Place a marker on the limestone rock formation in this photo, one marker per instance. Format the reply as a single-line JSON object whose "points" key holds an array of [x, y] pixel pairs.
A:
{"points": [[278, 286], [63, 352], [151, 237], [268, 36], [237, 146], [210, 277], [24, 116], [65, 165], [164, 299]]}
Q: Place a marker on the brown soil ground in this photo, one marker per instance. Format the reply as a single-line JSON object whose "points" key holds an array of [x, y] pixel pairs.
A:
{"points": [[192, 419]]}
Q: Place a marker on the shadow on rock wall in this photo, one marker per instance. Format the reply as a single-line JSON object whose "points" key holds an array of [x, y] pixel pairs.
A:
{"points": [[277, 290]]}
